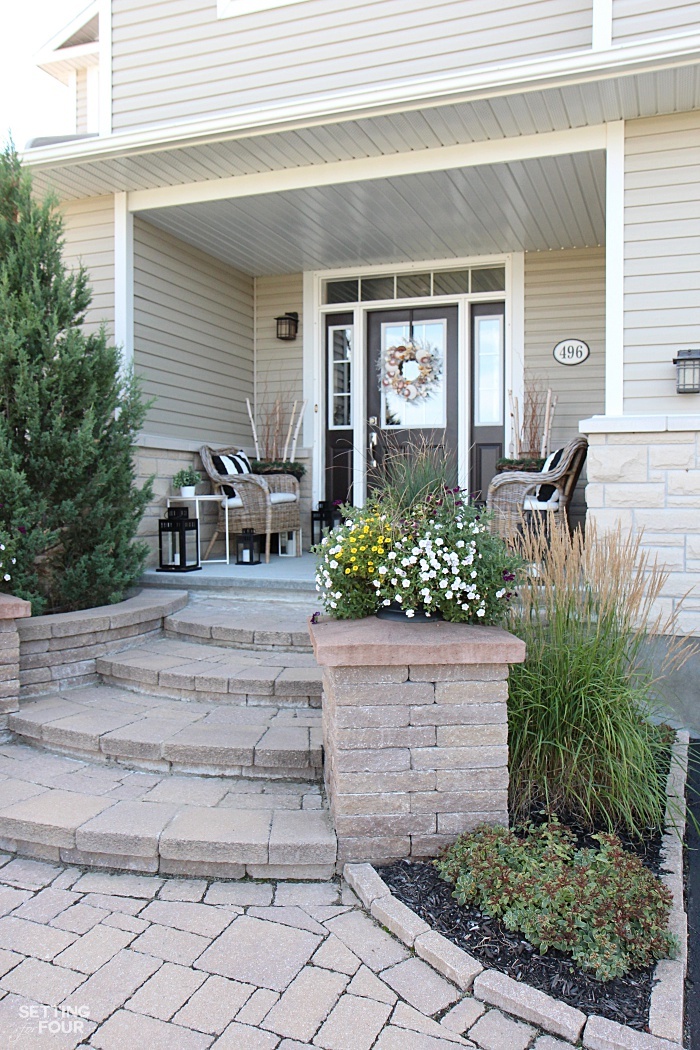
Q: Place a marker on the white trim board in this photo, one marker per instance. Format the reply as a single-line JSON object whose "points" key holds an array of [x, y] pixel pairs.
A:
{"points": [[615, 268], [487, 82], [124, 279], [444, 158]]}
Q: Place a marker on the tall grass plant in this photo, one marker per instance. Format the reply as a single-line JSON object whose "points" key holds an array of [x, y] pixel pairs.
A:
{"points": [[584, 734]]}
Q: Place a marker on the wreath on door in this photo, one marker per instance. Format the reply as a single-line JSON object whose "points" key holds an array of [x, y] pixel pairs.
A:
{"points": [[411, 370]]}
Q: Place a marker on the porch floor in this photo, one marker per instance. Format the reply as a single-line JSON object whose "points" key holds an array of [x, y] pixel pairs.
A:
{"points": [[281, 574]]}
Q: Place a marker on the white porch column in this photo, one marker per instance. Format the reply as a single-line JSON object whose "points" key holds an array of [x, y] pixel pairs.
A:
{"points": [[124, 278], [602, 25], [614, 267]]}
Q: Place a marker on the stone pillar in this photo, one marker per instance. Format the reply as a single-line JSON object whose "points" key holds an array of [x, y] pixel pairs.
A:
{"points": [[11, 610], [415, 727]]}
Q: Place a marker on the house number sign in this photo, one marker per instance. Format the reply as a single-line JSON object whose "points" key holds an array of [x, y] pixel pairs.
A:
{"points": [[571, 352]]}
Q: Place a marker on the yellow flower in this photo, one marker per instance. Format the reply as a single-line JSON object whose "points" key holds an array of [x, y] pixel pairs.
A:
{"points": [[354, 568], [347, 572], [353, 558], [374, 550], [366, 528]]}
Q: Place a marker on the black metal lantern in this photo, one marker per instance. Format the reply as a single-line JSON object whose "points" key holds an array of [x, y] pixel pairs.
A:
{"points": [[247, 548], [287, 326], [178, 542], [687, 371], [320, 520]]}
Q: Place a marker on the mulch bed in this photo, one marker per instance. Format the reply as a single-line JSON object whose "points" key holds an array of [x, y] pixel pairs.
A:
{"points": [[624, 999]]}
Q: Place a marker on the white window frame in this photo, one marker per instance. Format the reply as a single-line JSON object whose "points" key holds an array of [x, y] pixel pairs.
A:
{"points": [[233, 8]]}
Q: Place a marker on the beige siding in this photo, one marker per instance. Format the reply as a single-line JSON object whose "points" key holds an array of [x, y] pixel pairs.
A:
{"points": [[193, 339], [662, 259], [565, 297], [635, 20], [81, 104], [279, 364], [89, 239], [173, 59]]}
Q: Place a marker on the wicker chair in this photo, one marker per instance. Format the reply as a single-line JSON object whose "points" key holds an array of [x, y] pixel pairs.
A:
{"points": [[515, 493], [257, 504]]}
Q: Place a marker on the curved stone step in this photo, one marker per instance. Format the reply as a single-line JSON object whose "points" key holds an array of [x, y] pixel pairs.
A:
{"points": [[244, 624], [106, 724], [63, 809], [191, 671]]}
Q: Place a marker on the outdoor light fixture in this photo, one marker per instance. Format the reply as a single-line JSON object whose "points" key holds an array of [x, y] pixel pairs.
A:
{"points": [[687, 371], [178, 542], [247, 548], [287, 326]]}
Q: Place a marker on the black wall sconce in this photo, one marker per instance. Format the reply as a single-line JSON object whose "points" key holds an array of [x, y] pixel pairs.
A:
{"points": [[287, 326], [687, 371]]}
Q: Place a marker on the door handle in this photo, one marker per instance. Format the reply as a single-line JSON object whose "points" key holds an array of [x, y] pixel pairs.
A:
{"points": [[373, 440]]}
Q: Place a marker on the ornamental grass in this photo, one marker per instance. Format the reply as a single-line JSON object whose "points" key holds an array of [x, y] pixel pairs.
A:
{"points": [[584, 735]]}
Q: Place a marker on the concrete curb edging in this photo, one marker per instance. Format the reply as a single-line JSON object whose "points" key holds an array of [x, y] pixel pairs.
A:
{"points": [[666, 1011]]}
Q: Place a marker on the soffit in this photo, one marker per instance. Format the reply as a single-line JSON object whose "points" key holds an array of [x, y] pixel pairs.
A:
{"points": [[523, 113], [534, 205]]}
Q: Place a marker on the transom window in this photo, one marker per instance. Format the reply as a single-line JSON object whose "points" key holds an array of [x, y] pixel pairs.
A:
{"points": [[380, 287]]}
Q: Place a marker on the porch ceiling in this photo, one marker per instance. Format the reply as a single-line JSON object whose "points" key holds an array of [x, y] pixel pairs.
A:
{"points": [[533, 205]]}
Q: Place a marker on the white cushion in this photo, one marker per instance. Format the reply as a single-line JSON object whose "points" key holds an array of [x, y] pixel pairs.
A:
{"points": [[532, 503], [275, 497]]}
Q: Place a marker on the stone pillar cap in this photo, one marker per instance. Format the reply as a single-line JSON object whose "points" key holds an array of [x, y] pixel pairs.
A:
{"points": [[371, 642], [12, 608]]}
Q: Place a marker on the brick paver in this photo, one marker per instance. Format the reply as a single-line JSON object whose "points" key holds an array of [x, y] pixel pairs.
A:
{"points": [[117, 961]]}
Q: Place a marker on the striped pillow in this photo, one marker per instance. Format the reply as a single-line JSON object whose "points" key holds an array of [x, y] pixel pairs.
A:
{"points": [[229, 465]]}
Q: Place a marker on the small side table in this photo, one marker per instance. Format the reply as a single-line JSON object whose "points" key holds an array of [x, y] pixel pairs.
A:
{"points": [[204, 499]]}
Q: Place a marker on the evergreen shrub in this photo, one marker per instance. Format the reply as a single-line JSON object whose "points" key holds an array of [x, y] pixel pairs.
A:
{"points": [[68, 419]]}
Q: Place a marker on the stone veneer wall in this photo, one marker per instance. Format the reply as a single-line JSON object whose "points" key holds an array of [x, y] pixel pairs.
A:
{"points": [[59, 651], [415, 728], [162, 458], [644, 472]]}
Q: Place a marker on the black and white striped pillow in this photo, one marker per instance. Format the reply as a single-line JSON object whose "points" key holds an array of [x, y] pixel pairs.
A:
{"points": [[228, 465]]}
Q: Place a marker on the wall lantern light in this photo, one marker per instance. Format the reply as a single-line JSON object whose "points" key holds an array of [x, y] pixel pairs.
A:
{"points": [[687, 371], [287, 326]]}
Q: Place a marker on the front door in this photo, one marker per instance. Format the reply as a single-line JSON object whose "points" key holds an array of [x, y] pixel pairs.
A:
{"points": [[412, 382]]}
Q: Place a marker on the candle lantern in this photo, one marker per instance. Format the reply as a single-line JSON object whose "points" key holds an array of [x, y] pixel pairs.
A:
{"points": [[287, 544], [247, 548], [178, 542]]}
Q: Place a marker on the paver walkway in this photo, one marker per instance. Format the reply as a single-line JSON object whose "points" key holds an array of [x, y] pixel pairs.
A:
{"points": [[120, 961]]}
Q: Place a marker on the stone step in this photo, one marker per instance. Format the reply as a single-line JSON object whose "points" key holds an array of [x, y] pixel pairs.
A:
{"points": [[276, 625], [192, 671], [59, 808], [106, 724]]}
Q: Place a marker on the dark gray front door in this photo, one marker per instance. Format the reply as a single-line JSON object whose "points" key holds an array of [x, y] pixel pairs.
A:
{"points": [[399, 415]]}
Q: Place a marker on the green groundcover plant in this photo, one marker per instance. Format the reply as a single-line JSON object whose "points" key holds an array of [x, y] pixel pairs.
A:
{"points": [[601, 906]]}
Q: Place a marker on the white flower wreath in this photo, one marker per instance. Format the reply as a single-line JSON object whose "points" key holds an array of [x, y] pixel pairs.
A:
{"points": [[411, 370]]}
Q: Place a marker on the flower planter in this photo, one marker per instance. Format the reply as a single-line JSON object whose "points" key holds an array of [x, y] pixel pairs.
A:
{"points": [[188, 491]]}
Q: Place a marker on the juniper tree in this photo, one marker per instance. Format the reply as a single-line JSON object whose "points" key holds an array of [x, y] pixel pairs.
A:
{"points": [[68, 418]]}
